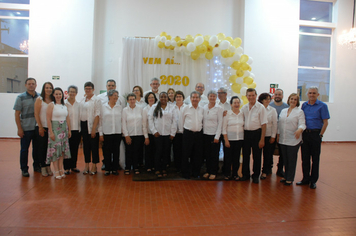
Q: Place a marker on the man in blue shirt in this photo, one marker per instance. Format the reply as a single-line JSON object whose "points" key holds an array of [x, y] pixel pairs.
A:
{"points": [[25, 121], [316, 118]]}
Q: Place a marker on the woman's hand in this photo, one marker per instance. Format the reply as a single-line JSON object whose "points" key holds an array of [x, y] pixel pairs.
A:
{"points": [[101, 139], [128, 140], [41, 131], [147, 141], [69, 134], [216, 140], [157, 135], [227, 143], [224, 113], [271, 140], [171, 137], [298, 133], [93, 134], [51, 135]]}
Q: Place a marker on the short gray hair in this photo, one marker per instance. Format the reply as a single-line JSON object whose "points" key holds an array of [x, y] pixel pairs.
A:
{"points": [[73, 87], [155, 79], [313, 87], [130, 95], [212, 92], [279, 89], [223, 89], [195, 92], [111, 92]]}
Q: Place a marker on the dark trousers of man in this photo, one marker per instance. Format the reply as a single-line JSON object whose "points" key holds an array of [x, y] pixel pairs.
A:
{"points": [[42, 143], [111, 151], [232, 157], [311, 149], [150, 151], [134, 152], [73, 147], [163, 151], [211, 152], [25, 144], [268, 150], [251, 140], [192, 153], [280, 157], [90, 145], [290, 155], [177, 151]]}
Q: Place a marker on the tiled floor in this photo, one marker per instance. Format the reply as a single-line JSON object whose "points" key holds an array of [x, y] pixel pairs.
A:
{"points": [[112, 205]]}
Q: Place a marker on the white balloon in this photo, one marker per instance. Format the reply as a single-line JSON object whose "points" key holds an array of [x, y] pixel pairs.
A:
{"points": [[177, 49], [186, 52], [198, 40], [232, 48], [246, 74], [157, 38], [163, 39], [224, 45], [239, 50], [236, 56], [250, 60], [213, 40], [229, 61], [174, 43], [216, 51], [182, 48], [232, 71], [168, 43], [191, 47], [239, 80], [252, 75], [244, 85], [243, 91]]}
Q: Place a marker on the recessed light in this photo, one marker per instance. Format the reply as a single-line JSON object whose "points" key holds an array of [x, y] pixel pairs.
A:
{"points": [[18, 13], [313, 18]]}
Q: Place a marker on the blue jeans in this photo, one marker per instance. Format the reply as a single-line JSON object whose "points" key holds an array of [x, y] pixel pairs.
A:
{"points": [[25, 144]]}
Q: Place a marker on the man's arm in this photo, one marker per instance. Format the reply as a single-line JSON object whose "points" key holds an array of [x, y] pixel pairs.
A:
{"points": [[325, 125], [20, 132], [261, 144]]}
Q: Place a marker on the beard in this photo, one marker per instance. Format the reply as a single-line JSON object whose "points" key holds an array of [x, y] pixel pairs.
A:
{"points": [[277, 99]]}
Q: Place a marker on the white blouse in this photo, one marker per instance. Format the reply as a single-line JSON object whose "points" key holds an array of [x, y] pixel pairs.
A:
{"points": [[110, 119], [192, 118], [59, 112], [271, 127], [254, 118], [288, 125], [145, 117], [89, 110], [165, 124], [213, 119], [74, 115], [226, 105], [132, 122], [141, 103], [233, 126], [43, 115], [179, 112]]}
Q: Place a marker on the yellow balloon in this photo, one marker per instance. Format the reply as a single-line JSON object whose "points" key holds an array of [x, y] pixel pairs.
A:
{"points": [[230, 39], [232, 79], [169, 37], [253, 85], [236, 87], [202, 48], [194, 55], [210, 48], [225, 53], [185, 43], [248, 80], [206, 43], [221, 36], [231, 54], [207, 37], [239, 73], [189, 38], [244, 58], [249, 68], [237, 42], [244, 66], [209, 55], [244, 99], [235, 65], [180, 43], [177, 39], [161, 45], [171, 47], [163, 34]]}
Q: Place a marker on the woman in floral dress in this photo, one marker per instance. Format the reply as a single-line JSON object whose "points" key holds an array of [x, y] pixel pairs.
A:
{"points": [[58, 132]]}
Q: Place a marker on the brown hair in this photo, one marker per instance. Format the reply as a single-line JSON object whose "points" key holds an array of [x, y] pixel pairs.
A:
{"points": [[294, 94], [141, 91]]}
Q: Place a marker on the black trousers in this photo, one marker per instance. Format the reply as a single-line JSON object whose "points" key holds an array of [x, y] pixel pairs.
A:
{"points": [[163, 151], [90, 145], [192, 153], [232, 157], [134, 152], [150, 151], [42, 146], [74, 142], [268, 150], [211, 152], [25, 144], [178, 150], [251, 140], [111, 151], [290, 155], [280, 157], [311, 149]]}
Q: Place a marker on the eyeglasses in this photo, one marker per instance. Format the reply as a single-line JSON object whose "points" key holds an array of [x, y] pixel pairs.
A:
{"points": [[136, 90], [200, 87], [221, 92]]}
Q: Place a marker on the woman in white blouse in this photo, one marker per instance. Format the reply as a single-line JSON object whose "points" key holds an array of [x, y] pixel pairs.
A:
{"points": [[140, 101], [212, 124], [171, 96], [163, 125], [135, 133], [291, 125], [233, 132], [178, 139], [271, 132], [110, 132], [41, 105], [89, 120], [150, 148]]}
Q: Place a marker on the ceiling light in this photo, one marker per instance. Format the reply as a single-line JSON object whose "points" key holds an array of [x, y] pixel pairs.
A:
{"points": [[349, 38]]}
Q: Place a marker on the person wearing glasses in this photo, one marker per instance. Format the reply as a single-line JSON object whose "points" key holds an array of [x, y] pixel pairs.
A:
{"points": [[200, 88], [154, 87], [140, 101]]}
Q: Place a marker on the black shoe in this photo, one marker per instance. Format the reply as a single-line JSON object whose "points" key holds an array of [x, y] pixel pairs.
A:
{"points": [[244, 178], [103, 167], [107, 173], [280, 173], [287, 184], [37, 169], [67, 172], [255, 180], [114, 172], [312, 185], [302, 183], [75, 170], [282, 180], [25, 173]]}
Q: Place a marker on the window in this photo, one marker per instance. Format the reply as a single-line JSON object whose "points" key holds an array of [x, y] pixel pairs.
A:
{"points": [[14, 31], [315, 40]]}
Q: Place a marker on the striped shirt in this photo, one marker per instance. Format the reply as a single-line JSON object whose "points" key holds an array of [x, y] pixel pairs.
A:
{"points": [[25, 103]]}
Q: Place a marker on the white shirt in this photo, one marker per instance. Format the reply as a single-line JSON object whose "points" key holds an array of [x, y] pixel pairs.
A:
{"points": [[233, 126], [89, 110], [74, 114], [145, 117], [110, 119], [271, 127], [141, 103], [172, 103], [179, 112], [43, 113], [59, 112], [254, 118], [288, 125], [132, 122], [226, 105], [156, 94], [213, 119], [192, 118], [105, 99], [203, 100], [165, 124]]}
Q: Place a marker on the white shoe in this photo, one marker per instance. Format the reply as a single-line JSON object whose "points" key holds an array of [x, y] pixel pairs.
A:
{"points": [[206, 175], [212, 177]]}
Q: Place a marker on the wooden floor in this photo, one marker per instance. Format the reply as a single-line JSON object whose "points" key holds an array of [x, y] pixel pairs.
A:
{"points": [[116, 205]]}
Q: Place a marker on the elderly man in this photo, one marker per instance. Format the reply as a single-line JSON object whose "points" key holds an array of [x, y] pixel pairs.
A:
{"points": [[316, 118], [192, 117], [25, 121], [255, 117], [223, 102], [199, 87], [154, 88], [279, 105], [110, 85]]}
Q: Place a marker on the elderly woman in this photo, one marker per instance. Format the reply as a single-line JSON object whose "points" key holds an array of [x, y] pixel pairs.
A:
{"points": [[291, 125], [178, 139], [89, 120], [110, 132], [135, 133], [233, 132], [58, 132], [74, 117], [140, 101], [150, 149], [212, 123], [41, 105], [171, 96], [271, 132], [163, 125]]}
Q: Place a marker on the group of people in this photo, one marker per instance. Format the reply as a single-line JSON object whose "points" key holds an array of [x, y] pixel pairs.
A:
{"points": [[151, 122]]}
